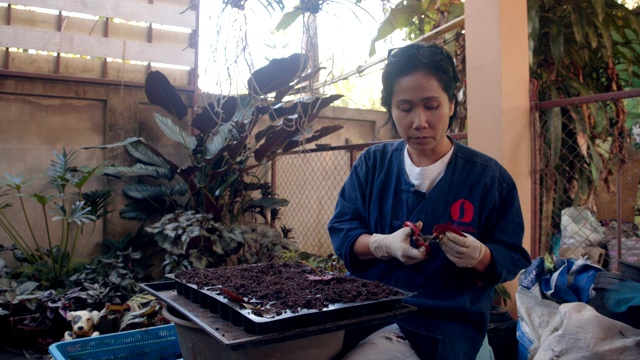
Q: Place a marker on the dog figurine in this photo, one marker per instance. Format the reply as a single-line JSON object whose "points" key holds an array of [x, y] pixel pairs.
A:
{"points": [[82, 324]]}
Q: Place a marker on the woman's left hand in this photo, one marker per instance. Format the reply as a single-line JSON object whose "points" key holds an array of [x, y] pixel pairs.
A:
{"points": [[464, 251]]}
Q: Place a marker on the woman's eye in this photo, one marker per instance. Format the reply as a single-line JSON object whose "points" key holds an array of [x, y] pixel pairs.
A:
{"points": [[431, 106]]}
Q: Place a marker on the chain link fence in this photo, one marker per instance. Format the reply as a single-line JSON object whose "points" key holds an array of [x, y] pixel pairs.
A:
{"points": [[588, 194], [311, 181]]}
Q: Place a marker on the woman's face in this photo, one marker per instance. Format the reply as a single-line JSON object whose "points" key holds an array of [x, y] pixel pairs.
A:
{"points": [[421, 111]]}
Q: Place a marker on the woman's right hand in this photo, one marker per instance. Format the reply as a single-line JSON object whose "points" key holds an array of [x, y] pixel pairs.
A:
{"points": [[396, 245]]}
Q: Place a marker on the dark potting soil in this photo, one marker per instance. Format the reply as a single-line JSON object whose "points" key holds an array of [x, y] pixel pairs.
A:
{"points": [[272, 288]]}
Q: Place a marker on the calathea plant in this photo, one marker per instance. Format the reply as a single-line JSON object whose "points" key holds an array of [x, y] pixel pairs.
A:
{"points": [[206, 201]]}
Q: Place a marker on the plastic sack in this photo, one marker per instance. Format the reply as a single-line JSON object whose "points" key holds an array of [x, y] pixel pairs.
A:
{"points": [[570, 280], [542, 288], [580, 227]]}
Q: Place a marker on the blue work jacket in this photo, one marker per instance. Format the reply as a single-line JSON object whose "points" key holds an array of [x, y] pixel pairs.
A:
{"points": [[475, 194]]}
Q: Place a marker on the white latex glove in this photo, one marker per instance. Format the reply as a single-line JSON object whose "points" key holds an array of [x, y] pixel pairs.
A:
{"points": [[396, 245], [463, 251]]}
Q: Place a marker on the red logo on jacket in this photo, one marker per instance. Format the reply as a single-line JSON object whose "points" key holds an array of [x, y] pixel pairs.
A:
{"points": [[462, 211]]}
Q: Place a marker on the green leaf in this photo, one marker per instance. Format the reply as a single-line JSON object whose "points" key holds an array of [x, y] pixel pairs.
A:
{"points": [[578, 21], [15, 182], [140, 170], [593, 37], [556, 40], [288, 19], [227, 183], [142, 152], [223, 136], [606, 39], [118, 144], [146, 191], [139, 210], [79, 214], [267, 203], [554, 131], [42, 200], [400, 16], [174, 132], [533, 16], [600, 7], [26, 288]]}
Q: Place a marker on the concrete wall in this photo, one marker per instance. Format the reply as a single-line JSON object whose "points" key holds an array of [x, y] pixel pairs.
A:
{"points": [[41, 116]]}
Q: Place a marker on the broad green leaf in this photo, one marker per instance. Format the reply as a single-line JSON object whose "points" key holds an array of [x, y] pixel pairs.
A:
{"points": [[600, 7], [400, 16], [180, 189], [140, 170], [118, 144], [533, 16], [606, 39], [26, 288], [288, 19], [592, 34], [142, 152], [556, 40], [42, 200], [220, 191], [15, 182], [578, 21], [146, 191], [244, 112], [215, 143], [138, 210], [268, 203], [174, 132], [554, 135]]}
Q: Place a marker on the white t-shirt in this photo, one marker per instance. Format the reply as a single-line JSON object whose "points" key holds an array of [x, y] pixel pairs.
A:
{"points": [[425, 178]]}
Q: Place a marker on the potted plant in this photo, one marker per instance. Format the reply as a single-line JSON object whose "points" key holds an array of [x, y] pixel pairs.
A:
{"points": [[218, 208], [52, 258], [48, 259]]}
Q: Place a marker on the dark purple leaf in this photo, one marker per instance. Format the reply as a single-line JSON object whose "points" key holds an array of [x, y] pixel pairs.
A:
{"points": [[215, 113], [317, 135], [277, 74], [160, 92]]}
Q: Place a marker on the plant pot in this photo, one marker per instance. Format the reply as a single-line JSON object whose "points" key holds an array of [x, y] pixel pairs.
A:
{"points": [[195, 344], [502, 334]]}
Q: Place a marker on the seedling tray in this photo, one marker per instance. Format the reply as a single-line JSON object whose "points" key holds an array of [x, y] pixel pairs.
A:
{"points": [[239, 315], [235, 337]]}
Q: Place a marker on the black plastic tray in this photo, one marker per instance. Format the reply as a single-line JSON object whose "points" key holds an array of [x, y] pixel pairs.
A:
{"points": [[240, 316], [235, 338]]}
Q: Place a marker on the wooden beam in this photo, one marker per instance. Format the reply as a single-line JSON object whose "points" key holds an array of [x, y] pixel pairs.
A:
{"points": [[94, 46], [165, 13]]}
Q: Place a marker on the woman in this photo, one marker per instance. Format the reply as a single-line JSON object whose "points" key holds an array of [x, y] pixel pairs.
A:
{"points": [[429, 179]]}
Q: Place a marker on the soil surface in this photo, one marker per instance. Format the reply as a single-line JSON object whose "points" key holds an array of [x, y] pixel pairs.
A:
{"points": [[272, 288]]}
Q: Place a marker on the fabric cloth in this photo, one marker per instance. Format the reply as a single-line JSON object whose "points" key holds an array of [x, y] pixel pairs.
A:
{"points": [[389, 343], [479, 197], [579, 332]]}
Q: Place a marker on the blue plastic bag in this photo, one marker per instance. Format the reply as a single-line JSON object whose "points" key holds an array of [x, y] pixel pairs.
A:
{"points": [[570, 281]]}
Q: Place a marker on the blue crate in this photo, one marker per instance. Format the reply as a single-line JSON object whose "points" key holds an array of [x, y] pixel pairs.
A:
{"points": [[155, 343]]}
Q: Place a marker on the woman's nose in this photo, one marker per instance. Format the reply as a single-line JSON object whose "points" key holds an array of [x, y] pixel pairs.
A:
{"points": [[421, 120]]}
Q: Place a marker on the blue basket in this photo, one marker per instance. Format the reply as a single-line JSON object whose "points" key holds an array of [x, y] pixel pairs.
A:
{"points": [[155, 343]]}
